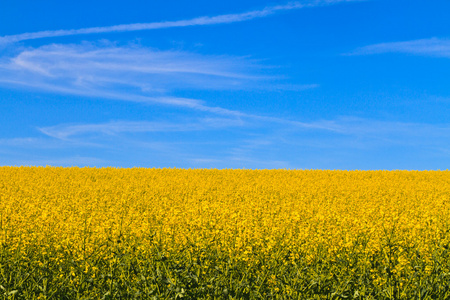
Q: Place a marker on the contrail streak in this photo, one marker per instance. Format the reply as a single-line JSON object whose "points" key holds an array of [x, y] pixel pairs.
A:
{"points": [[206, 20]]}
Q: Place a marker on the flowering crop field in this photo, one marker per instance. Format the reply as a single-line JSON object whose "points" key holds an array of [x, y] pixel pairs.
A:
{"points": [[88, 233]]}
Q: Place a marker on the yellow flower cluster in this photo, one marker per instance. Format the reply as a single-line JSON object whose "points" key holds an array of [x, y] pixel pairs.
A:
{"points": [[252, 218]]}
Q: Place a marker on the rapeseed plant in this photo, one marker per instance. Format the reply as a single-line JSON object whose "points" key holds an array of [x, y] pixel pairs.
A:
{"points": [[72, 233]]}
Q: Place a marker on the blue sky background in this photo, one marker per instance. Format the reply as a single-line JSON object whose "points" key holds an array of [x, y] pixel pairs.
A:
{"points": [[233, 84]]}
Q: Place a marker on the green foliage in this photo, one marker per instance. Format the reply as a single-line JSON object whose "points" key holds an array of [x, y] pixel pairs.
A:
{"points": [[34, 273]]}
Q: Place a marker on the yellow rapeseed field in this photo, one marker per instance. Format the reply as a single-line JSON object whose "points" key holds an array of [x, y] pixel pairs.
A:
{"points": [[88, 233]]}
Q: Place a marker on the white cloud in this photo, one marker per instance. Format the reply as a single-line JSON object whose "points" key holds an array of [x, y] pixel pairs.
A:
{"points": [[20, 142], [348, 133], [64, 161], [90, 66], [391, 132], [361, 133], [291, 87], [132, 73], [372, 128], [200, 21], [205, 161], [128, 73], [427, 47], [66, 131], [259, 145]]}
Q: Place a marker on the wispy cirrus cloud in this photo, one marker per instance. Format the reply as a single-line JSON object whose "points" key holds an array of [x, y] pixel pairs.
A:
{"points": [[436, 47], [133, 73], [394, 131], [66, 131], [199, 21], [69, 131], [93, 66], [64, 161], [353, 137], [260, 144], [124, 73], [384, 132]]}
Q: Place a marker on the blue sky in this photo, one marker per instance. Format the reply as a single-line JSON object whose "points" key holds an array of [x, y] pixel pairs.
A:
{"points": [[327, 84]]}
